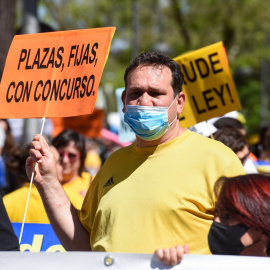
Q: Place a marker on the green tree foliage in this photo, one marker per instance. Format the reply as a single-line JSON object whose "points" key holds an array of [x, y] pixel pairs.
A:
{"points": [[7, 15], [176, 27]]}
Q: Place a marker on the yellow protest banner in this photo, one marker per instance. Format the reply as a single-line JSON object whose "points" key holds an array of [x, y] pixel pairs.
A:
{"points": [[209, 85], [54, 74]]}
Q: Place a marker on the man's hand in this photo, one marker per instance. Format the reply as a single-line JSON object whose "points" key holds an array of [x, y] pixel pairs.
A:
{"points": [[172, 256], [42, 159], [61, 213]]}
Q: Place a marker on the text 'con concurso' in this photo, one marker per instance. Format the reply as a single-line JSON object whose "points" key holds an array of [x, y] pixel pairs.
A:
{"points": [[72, 88]]}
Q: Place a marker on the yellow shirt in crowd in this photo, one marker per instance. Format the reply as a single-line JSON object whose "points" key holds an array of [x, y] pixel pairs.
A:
{"points": [[15, 202]]}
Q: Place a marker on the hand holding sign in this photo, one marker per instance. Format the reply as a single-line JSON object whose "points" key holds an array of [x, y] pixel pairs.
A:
{"points": [[52, 75], [41, 154], [56, 202]]}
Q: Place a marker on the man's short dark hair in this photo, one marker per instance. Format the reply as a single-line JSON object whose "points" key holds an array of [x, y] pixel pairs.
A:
{"points": [[160, 60]]}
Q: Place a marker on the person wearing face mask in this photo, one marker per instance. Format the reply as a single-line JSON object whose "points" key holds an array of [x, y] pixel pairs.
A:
{"points": [[156, 192], [242, 222]]}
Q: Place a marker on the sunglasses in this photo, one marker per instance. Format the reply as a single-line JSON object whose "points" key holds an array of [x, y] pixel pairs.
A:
{"points": [[71, 156]]}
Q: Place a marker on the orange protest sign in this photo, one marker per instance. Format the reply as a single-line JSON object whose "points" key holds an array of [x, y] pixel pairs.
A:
{"points": [[54, 74], [209, 85], [89, 125]]}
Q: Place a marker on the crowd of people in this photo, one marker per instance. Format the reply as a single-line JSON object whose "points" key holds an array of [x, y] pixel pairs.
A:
{"points": [[172, 191]]}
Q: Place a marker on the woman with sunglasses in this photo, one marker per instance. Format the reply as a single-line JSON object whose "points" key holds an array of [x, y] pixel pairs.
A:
{"points": [[242, 224], [69, 160], [71, 147]]}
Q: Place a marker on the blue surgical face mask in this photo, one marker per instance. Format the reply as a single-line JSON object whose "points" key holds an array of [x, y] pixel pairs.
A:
{"points": [[148, 122]]}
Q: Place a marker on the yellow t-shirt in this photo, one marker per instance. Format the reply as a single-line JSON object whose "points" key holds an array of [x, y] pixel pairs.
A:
{"points": [[157, 197], [77, 189], [15, 202]]}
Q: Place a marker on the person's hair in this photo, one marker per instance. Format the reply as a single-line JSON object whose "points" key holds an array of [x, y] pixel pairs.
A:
{"points": [[16, 162], [228, 122], [9, 142], [67, 136], [158, 60], [232, 138], [247, 198]]}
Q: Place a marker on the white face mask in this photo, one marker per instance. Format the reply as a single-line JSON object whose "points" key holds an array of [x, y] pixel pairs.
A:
{"points": [[148, 122]]}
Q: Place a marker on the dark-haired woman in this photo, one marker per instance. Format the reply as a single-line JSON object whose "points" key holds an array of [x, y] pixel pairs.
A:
{"points": [[242, 224], [71, 147]]}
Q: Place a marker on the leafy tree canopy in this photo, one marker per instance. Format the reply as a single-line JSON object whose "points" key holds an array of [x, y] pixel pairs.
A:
{"points": [[177, 26]]}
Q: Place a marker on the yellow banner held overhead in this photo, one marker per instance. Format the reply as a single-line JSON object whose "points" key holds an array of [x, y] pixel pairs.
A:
{"points": [[54, 74], [208, 85]]}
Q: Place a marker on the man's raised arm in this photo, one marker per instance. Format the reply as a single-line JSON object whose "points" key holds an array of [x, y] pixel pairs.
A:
{"points": [[61, 213]]}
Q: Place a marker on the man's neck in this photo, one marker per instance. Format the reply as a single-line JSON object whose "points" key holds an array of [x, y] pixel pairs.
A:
{"points": [[174, 131]]}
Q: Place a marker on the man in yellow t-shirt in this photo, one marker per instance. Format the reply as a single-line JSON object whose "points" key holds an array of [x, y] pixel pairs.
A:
{"points": [[157, 196], [156, 193]]}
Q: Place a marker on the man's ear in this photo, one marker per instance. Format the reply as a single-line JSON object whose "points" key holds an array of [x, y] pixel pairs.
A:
{"points": [[123, 98], [181, 99]]}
